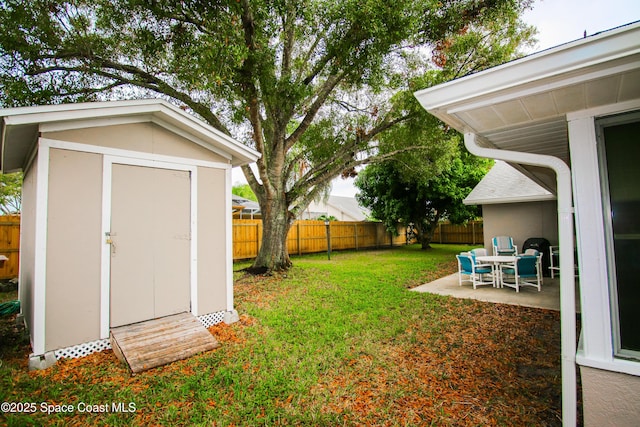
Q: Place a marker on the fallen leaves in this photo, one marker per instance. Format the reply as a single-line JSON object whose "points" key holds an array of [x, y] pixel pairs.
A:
{"points": [[493, 364]]}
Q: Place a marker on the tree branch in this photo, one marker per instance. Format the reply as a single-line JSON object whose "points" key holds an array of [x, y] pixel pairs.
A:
{"points": [[324, 92], [251, 95], [288, 25], [146, 80]]}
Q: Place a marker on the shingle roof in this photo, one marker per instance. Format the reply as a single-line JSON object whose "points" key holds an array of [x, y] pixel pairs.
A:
{"points": [[505, 184], [350, 206]]}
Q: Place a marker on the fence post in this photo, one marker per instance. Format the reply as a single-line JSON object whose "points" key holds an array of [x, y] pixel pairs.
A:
{"points": [[440, 231], [258, 237], [355, 235], [473, 232], [299, 239]]}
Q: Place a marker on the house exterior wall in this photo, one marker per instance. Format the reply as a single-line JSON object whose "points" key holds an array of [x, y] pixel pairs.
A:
{"points": [[609, 383], [27, 243], [143, 137], [520, 221], [608, 398], [72, 311]]}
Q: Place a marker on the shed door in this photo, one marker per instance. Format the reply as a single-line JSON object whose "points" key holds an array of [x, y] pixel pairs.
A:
{"points": [[150, 231]]}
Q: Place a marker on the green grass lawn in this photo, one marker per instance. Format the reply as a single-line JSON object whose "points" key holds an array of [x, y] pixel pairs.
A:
{"points": [[339, 342]]}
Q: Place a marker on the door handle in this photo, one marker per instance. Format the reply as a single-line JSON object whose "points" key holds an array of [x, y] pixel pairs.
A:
{"points": [[109, 240]]}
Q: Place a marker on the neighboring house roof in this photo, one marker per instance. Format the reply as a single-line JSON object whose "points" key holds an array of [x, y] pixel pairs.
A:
{"points": [[20, 127], [349, 206], [249, 206], [505, 184], [343, 208]]}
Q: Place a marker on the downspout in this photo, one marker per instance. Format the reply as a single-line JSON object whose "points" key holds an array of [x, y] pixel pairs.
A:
{"points": [[567, 275]]}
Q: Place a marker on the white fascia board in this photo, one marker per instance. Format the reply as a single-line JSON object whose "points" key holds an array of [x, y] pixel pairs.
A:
{"points": [[505, 200], [581, 54], [83, 110]]}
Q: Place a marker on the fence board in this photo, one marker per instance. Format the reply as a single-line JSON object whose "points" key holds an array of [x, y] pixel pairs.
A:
{"points": [[309, 236], [305, 236], [10, 245]]}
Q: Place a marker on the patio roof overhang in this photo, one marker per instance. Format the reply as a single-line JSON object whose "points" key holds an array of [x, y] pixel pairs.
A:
{"points": [[523, 105], [519, 111]]}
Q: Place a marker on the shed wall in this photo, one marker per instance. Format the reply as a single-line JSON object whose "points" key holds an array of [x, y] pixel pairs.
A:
{"points": [[72, 306], [73, 248], [520, 221], [142, 137], [28, 243], [212, 262]]}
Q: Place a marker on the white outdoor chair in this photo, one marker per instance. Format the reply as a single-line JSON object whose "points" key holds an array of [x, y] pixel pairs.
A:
{"points": [[477, 274], [554, 260], [503, 245], [479, 252], [525, 271]]}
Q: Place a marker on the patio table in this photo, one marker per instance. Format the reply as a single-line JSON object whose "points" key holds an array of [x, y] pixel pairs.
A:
{"points": [[496, 260]]}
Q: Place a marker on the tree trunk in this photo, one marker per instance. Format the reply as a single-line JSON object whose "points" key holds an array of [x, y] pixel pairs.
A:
{"points": [[273, 254], [425, 240], [427, 230]]}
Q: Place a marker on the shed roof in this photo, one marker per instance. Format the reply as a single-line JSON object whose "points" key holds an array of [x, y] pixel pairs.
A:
{"points": [[505, 184], [20, 127]]}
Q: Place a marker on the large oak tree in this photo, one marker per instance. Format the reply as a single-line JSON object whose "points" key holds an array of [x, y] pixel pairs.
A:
{"points": [[307, 83]]}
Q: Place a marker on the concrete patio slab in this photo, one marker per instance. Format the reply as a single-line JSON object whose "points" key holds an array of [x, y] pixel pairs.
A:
{"points": [[547, 298]]}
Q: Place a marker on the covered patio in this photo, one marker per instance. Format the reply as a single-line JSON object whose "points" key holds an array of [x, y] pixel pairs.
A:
{"points": [[568, 119], [548, 298]]}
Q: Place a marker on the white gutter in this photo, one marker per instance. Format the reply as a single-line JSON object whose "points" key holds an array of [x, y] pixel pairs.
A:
{"points": [[567, 276]]}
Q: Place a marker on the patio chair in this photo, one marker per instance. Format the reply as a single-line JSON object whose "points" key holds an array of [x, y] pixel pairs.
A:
{"points": [[478, 252], [525, 271], [503, 245], [477, 274], [554, 260]]}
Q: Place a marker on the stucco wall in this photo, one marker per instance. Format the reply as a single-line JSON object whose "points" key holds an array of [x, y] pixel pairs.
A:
{"points": [[610, 398], [520, 221], [73, 248]]}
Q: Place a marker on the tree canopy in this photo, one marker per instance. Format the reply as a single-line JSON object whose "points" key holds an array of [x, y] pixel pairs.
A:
{"points": [[427, 184], [244, 190], [312, 85], [396, 193], [10, 193]]}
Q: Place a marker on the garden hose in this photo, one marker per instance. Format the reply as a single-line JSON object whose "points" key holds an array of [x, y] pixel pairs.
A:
{"points": [[9, 307]]}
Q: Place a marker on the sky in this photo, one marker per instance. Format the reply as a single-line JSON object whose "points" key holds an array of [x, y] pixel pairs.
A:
{"points": [[558, 22]]}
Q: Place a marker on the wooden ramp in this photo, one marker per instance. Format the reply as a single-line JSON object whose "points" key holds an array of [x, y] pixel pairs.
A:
{"points": [[157, 342]]}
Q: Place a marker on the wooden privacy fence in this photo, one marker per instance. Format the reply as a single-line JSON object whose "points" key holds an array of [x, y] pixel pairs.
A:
{"points": [[470, 233], [10, 245], [308, 236], [304, 237]]}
